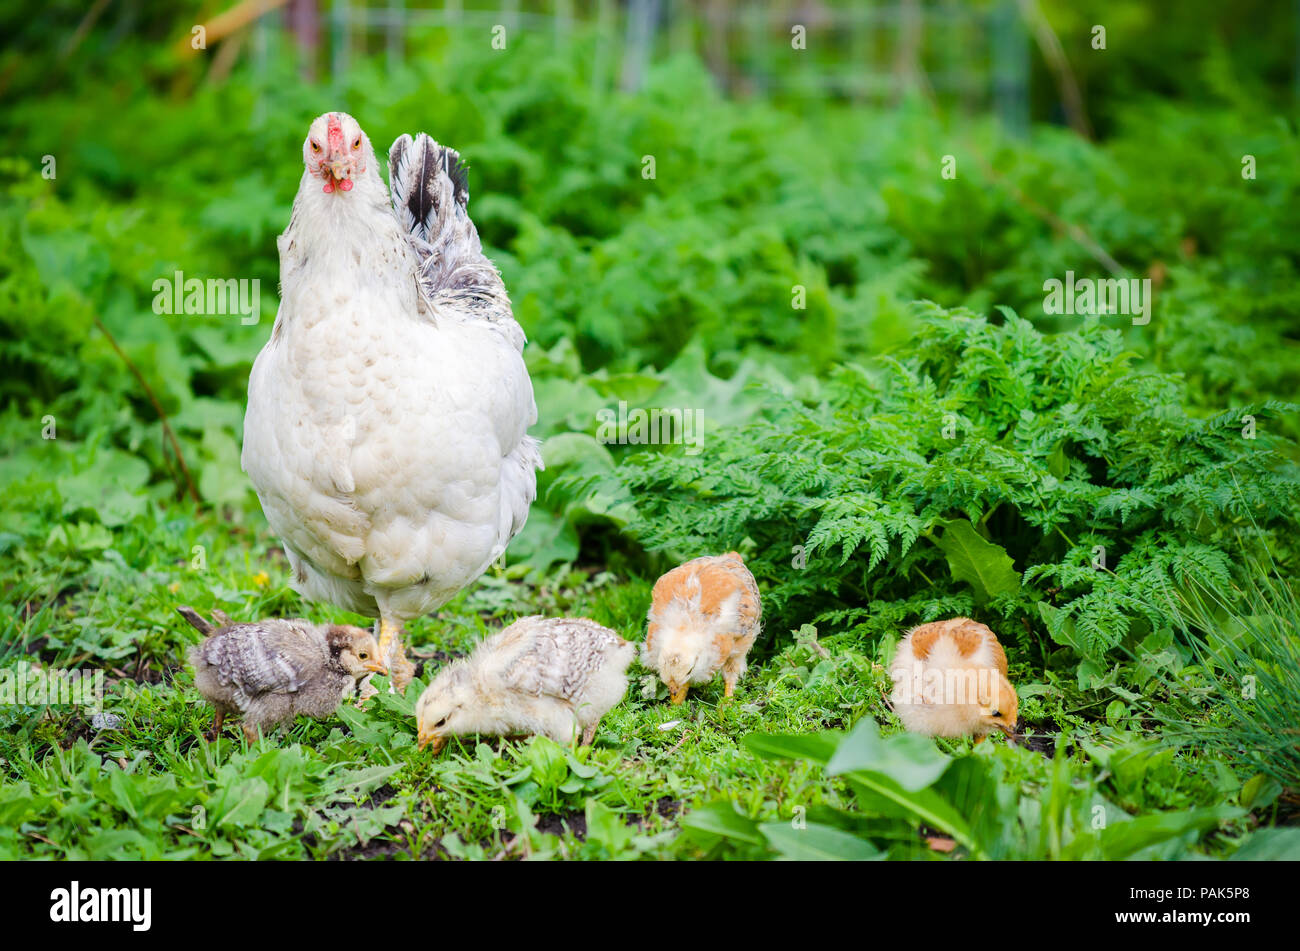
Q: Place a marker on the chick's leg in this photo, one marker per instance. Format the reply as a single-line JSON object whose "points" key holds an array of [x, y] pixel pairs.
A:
{"points": [[589, 734], [400, 670], [731, 671]]}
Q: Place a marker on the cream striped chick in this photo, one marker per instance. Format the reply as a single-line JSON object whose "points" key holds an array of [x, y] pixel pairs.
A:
{"points": [[550, 676], [950, 679], [704, 617]]}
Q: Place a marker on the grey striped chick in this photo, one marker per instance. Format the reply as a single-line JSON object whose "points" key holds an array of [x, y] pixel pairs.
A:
{"points": [[551, 676], [269, 671]]}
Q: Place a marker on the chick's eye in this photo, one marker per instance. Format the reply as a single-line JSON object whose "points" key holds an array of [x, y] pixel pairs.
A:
{"points": [[363, 655], [357, 143], [442, 722], [995, 713]]}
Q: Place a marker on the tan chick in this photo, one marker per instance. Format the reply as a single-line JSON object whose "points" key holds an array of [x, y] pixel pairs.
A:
{"points": [[550, 676], [950, 679], [704, 617], [269, 671]]}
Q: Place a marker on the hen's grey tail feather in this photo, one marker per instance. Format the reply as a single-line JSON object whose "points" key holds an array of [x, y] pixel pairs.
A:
{"points": [[416, 169], [429, 189]]}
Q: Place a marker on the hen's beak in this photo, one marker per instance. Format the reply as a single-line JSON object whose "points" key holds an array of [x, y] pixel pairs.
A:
{"points": [[437, 739], [677, 694], [340, 171]]}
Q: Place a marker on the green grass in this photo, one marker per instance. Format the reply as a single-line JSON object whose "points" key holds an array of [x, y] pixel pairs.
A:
{"points": [[660, 781]]}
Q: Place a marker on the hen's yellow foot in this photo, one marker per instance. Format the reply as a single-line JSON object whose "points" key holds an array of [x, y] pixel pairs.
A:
{"points": [[401, 671]]}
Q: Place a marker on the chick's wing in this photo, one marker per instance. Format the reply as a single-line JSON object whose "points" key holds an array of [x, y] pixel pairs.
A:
{"points": [[555, 657], [273, 656]]}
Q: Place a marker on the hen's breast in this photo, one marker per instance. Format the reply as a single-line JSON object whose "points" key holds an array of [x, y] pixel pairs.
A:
{"points": [[380, 443]]}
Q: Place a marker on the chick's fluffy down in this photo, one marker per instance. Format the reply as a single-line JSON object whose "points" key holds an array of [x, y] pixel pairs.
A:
{"points": [[950, 679], [704, 617], [550, 676], [271, 670]]}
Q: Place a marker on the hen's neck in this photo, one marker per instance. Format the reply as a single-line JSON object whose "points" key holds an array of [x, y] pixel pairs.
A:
{"points": [[350, 235]]}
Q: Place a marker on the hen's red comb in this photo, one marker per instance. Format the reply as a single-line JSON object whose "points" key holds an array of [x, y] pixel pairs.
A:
{"points": [[334, 131]]}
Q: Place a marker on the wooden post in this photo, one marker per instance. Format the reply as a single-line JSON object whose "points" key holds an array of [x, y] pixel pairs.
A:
{"points": [[340, 37], [639, 38], [395, 33], [604, 40], [1009, 51], [563, 20]]}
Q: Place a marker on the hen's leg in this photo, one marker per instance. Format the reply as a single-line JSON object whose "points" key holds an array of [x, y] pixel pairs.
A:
{"points": [[400, 670]]}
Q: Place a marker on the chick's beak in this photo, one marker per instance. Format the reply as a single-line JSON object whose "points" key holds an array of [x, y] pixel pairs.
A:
{"points": [[436, 739], [1009, 730], [376, 666], [677, 694]]}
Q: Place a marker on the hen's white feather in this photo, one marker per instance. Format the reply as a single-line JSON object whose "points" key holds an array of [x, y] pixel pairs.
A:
{"points": [[386, 431]]}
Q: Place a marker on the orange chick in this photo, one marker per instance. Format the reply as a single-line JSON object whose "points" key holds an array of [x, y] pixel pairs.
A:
{"points": [[950, 679], [704, 616]]}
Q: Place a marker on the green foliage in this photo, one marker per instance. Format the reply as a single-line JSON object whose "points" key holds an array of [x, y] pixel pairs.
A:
{"points": [[1248, 654], [1004, 805], [986, 446]]}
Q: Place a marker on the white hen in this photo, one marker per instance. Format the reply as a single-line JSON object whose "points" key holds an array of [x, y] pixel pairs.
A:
{"points": [[386, 432]]}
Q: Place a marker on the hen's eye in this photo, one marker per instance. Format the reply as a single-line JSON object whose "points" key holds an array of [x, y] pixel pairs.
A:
{"points": [[315, 147], [357, 143]]}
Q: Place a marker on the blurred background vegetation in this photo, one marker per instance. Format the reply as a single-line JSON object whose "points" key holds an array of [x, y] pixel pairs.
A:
{"points": [[796, 145]]}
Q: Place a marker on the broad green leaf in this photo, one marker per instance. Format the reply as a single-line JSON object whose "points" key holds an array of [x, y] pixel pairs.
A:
{"points": [[910, 760], [112, 488], [546, 539], [548, 762], [817, 843], [1122, 839], [986, 567], [241, 803], [722, 818], [360, 781], [815, 747], [1269, 845], [1260, 791], [16, 802], [607, 827], [1058, 463], [125, 791], [880, 794]]}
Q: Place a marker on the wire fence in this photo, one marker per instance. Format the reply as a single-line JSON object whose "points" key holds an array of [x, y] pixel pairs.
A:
{"points": [[967, 57]]}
